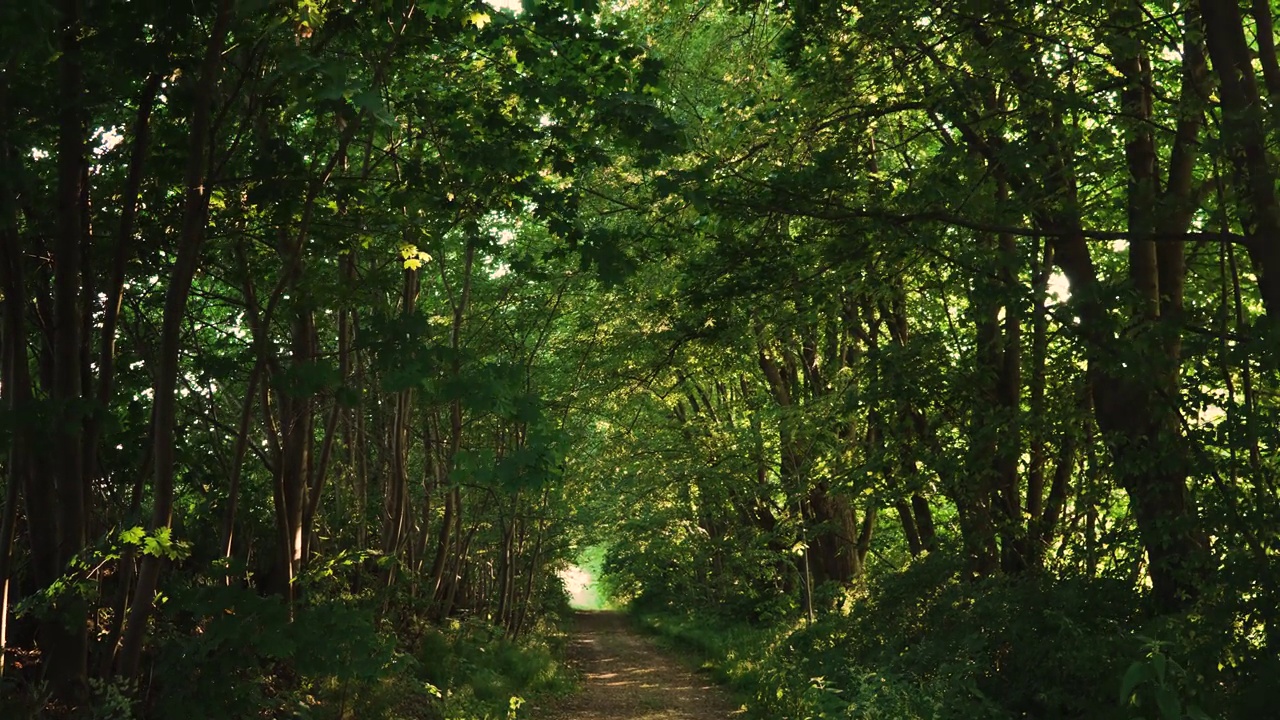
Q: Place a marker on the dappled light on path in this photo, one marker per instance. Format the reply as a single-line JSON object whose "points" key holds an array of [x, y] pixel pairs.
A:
{"points": [[625, 677]]}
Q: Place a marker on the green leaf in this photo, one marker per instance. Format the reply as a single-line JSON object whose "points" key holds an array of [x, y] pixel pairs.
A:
{"points": [[1137, 674], [1167, 701], [1158, 664], [371, 102]]}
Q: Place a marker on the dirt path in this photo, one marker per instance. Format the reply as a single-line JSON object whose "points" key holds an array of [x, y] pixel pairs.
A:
{"points": [[625, 677]]}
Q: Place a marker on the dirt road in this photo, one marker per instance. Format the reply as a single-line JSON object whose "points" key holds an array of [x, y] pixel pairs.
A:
{"points": [[626, 677]]}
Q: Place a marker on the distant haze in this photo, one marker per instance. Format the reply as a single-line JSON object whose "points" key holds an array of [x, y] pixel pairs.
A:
{"points": [[581, 585]]}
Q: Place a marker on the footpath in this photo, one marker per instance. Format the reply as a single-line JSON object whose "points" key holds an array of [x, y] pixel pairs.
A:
{"points": [[625, 676]]}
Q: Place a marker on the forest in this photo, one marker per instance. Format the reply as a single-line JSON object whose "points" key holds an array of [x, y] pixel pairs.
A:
{"points": [[895, 358]]}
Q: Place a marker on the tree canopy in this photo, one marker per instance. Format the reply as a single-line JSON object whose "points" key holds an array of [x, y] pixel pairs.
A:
{"points": [[937, 339]]}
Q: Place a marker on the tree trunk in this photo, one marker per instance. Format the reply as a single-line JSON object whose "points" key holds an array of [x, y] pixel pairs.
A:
{"points": [[297, 418], [194, 219], [1244, 119], [64, 633], [835, 537], [15, 379]]}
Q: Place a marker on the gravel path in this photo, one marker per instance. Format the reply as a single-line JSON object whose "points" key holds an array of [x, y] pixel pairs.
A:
{"points": [[626, 677]]}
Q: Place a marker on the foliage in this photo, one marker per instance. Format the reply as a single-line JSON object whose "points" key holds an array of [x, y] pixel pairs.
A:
{"points": [[598, 593], [483, 675], [1157, 679], [932, 342], [320, 296], [215, 638], [954, 377], [926, 646]]}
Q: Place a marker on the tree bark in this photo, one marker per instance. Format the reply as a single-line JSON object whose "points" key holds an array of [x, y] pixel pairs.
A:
{"points": [[1244, 130], [64, 635], [190, 242]]}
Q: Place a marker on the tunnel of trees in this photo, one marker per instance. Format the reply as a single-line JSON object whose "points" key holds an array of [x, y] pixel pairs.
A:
{"points": [[924, 353]]}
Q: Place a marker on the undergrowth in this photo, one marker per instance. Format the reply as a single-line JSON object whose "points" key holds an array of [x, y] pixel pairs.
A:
{"points": [[925, 645], [481, 675], [228, 653]]}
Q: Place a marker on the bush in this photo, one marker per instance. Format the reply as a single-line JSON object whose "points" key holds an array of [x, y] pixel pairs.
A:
{"points": [[227, 652], [483, 675], [924, 644]]}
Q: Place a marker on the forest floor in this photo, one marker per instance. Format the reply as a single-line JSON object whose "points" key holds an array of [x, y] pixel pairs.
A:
{"points": [[625, 676]]}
